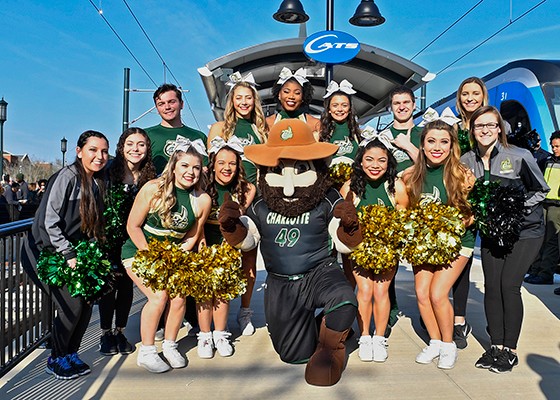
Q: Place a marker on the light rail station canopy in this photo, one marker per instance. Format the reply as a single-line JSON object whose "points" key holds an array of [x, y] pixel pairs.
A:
{"points": [[374, 72]]}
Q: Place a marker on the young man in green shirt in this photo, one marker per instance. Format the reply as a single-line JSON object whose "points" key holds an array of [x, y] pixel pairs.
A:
{"points": [[169, 103]]}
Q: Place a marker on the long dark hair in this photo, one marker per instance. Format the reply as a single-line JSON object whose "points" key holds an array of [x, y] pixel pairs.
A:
{"points": [[91, 206], [119, 166], [328, 123], [358, 178], [239, 182]]}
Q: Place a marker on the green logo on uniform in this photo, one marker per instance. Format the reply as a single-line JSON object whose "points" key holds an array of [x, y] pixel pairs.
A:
{"points": [[506, 166], [287, 134]]}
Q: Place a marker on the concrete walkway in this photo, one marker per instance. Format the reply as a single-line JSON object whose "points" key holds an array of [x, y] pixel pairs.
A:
{"points": [[255, 371]]}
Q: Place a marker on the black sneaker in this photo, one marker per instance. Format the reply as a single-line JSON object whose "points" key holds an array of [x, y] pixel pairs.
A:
{"points": [[108, 345], [79, 366], [122, 344], [505, 361], [60, 368], [488, 358], [460, 334]]}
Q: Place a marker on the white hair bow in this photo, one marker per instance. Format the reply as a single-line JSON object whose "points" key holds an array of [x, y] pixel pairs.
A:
{"points": [[446, 116], [369, 134], [345, 87], [219, 143], [183, 144], [286, 74], [236, 77]]}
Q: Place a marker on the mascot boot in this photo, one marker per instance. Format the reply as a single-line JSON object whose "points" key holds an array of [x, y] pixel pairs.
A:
{"points": [[327, 363]]}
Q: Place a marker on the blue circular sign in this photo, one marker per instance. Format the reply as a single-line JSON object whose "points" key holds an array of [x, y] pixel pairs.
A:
{"points": [[331, 47]]}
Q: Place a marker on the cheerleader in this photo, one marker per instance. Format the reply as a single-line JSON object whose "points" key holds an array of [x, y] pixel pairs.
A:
{"points": [[243, 119], [439, 177], [374, 181], [171, 207]]}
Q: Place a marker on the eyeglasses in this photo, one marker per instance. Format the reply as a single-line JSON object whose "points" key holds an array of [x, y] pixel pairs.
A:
{"points": [[489, 125]]}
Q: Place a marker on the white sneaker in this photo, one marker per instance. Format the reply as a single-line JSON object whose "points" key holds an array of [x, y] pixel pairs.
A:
{"points": [[160, 334], [244, 320], [221, 341], [429, 353], [365, 349], [205, 345], [172, 355], [150, 359], [447, 355], [379, 344]]}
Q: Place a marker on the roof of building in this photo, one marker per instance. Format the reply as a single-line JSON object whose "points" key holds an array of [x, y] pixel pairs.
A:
{"points": [[374, 72]]}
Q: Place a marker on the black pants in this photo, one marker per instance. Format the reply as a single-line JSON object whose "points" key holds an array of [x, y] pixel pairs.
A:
{"points": [[290, 306], [72, 313], [461, 291], [503, 275], [117, 302]]}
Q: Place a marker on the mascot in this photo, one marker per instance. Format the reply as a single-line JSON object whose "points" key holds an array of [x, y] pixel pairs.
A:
{"points": [[297, 220]]}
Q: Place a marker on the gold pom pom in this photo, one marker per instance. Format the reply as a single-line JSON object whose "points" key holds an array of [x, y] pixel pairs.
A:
{"points": [[340, 173], [381, 232], [432, 234]]}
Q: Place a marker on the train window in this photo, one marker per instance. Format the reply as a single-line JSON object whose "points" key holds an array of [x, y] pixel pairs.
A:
{"points": [[515, 114], [552, 93]]}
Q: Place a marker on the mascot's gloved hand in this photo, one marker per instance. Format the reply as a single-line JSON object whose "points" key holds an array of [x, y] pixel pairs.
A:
{"points": [[349, 231], [230, 225]]}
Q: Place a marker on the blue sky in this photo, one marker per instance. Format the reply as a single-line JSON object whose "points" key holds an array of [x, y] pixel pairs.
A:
{"points": [[61, 67]]}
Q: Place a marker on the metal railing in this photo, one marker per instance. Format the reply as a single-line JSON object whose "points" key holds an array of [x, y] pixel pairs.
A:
{"points": [[27, 312]]}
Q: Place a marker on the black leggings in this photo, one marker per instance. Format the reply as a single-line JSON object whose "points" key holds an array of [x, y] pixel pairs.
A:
{"points": [[461, 290], [73, 313], [117, 302], [503, 275]]}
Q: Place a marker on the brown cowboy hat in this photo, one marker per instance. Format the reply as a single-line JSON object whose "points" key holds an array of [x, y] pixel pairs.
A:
{"points": [[291, 139]]}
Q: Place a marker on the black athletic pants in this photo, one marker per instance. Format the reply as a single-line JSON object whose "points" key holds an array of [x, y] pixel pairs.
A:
{"points": [[503, 275]]}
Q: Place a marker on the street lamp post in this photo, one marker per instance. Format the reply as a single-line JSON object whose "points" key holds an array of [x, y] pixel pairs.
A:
{"points": [[292, 12], [63, 147], [3, 118]]}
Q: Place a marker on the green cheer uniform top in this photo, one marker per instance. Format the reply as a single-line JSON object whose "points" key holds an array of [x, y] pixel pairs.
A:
{"points": [[376, 193], [247, 133], [183, 216], [294, 114], [402, 157], [434, 191], [163, 138], [347, 147], [212, 226]]}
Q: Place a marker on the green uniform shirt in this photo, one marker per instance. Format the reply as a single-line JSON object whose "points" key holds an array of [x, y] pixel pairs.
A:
{"points": [[403, 159], [434, 191], [212, 227], [347, 148], [162, 139], [245, 131], [183, 220], [376, 193]]}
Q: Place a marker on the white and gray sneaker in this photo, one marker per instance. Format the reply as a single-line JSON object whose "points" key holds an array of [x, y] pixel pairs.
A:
{"points": [[160, 334], [365, 348], [221, 341], [447, 355], [205, 345], [244, 320], [380, 345], [172, 355], [149, 358], [429, 353]]}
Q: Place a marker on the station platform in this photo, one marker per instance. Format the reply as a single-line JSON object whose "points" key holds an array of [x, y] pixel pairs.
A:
{"points": [[256, 372]]}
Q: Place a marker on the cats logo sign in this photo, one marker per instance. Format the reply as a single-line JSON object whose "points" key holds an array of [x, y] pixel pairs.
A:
{"points": [[331, 47]]}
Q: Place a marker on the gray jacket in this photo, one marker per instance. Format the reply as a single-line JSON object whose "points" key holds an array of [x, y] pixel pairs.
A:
{"points": [[513, 166]]}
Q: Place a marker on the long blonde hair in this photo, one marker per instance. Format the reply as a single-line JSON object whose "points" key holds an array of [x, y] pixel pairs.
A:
{"points": [[454, 172], [257, 115], [164, 198], [465, 119]]}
